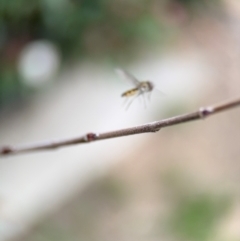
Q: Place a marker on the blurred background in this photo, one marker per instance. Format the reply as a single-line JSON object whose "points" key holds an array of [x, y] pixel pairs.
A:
{"points": [[57, 80]]}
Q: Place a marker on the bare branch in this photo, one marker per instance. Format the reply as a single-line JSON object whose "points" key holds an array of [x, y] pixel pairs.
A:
{"points": [[155, 126]]}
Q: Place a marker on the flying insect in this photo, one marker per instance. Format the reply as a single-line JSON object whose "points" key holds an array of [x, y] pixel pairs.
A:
{"points": [[140, 89]]}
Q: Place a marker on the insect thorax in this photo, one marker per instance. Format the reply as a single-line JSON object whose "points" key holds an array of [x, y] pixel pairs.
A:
{"points": [[146, 86]]}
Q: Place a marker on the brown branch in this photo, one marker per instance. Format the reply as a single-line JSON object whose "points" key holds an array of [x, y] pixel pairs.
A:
{"points": [[150, 127]]}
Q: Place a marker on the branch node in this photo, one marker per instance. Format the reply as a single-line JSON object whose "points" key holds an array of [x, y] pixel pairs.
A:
{"points": [[205, 112], [152, 127], [156, 129], [6, 150], [90, 137]]}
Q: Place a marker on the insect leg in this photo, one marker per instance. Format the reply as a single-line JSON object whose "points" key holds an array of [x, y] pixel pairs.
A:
{"points": [[131, 101], [144, 100], [149, 96], [125, 101]]}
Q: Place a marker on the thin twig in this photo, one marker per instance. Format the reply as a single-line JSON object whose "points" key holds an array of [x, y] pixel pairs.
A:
{"points": [[155, 126]]}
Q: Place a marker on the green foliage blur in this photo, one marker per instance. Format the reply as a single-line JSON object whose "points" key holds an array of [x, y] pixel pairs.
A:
{"points": [[80, 28], [195, 214], [196, 218]]}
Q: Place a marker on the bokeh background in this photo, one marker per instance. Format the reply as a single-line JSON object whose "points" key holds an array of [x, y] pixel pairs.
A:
{"points": [[57, 81]]}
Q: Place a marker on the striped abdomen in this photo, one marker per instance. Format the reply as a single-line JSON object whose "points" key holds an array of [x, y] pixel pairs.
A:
{"points": [[130, 92]]}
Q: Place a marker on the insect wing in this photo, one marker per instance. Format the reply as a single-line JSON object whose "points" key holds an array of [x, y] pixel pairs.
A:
{"points": [[126, 75]]}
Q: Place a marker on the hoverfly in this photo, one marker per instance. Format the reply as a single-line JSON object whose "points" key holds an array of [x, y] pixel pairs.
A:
{"points": [[141, 87]]}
